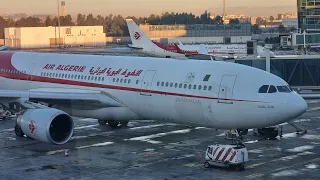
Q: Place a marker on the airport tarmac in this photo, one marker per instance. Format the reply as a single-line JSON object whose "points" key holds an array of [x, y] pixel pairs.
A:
{"points": [[158, 150]]}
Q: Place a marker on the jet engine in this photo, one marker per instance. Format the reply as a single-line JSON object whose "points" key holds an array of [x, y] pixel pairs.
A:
{"points": [[48, 125]]}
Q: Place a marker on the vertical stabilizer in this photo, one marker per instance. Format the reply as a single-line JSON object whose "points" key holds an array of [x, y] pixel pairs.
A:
{"points": [[138, 38]]}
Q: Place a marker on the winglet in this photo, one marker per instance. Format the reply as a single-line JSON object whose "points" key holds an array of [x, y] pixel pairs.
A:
{"points": [[138, 38]]}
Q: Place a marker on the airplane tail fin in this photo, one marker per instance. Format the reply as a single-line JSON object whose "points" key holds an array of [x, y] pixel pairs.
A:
{"points": [[138, 38]]}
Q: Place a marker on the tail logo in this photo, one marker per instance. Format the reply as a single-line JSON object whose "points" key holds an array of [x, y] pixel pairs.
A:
{"points": [[137, 35]]}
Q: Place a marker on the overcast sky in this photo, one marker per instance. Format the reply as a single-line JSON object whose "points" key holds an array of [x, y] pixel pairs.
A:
{"points": [[146, 7]]}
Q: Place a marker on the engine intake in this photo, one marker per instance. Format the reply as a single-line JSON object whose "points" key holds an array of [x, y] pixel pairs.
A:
{"points": [[47, 125]]}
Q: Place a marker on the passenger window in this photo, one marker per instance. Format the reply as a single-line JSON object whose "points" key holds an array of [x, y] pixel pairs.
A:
{"points": [[114, 79], [167, 84], [209, 88], [129, 81], [272, 89], [185, 86], [117, 79], [99, 78], [171, 84], [121, 80], [85, 77], [162, 84], [82, 77], [79, 76], [158, 83], [69, 76], [137, 81], [92, 78], [180, 85], [194, 86], [102, 78], [199, 87], [176, 85], [204, 87], [125, 81], [190, 86], [263, 89]]}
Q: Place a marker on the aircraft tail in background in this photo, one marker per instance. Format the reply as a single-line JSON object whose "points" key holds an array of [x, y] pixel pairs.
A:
{"points": [[138, 38]]}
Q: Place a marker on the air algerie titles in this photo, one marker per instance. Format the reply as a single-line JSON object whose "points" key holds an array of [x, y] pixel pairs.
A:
{"points": [[65, 67]]}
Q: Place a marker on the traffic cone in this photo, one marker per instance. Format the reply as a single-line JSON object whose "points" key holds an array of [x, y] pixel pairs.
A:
{"points": [[66, 153]]}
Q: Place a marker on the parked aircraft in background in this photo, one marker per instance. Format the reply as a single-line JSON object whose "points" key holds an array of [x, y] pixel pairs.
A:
{"points": [[141, 43]]}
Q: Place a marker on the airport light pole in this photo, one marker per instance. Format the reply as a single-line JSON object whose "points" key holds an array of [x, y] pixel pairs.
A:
{"points": [[58, 21]]}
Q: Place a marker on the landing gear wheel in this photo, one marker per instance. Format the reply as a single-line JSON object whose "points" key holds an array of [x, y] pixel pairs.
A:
{"points": [[242, 131], [206, 164], [102, 122], [124, 123], [113, 123], [270, 133], [18, 131]]}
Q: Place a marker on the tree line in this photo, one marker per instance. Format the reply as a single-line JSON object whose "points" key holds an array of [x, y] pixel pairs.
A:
{"points": [[114, 25]]}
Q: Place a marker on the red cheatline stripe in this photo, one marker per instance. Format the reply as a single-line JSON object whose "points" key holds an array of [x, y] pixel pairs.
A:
{"points": [[226, 155], [214, 152], [233, 155], [218, 156], [90, 84]]}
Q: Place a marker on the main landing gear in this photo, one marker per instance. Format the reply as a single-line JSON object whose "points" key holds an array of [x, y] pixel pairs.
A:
{"points": [[113, 123]]}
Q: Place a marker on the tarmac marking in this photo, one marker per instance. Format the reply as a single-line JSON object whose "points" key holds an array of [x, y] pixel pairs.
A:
{"points": [[194, 164], [150, 137], [84, 127], [255, 175]]}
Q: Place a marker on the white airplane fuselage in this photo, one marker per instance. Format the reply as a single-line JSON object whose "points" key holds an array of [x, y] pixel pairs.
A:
{"points": [[206, 93]]}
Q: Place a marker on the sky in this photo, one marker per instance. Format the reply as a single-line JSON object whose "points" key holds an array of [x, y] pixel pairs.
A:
{"points": [[147, 7]]}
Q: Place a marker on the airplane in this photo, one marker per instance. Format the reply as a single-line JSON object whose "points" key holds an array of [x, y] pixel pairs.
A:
{"points": [[141, 43], [49, 88]]}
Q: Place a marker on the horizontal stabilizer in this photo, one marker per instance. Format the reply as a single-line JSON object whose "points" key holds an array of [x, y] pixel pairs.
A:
{"points": [[3, 48], [134, 47]]}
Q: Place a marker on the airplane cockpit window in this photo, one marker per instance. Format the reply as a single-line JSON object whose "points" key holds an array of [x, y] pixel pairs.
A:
{"points": [[272, 89], [283, 89], [264, 89]]}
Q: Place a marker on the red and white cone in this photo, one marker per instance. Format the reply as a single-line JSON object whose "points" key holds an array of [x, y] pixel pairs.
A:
{"points": [[66, 153]]}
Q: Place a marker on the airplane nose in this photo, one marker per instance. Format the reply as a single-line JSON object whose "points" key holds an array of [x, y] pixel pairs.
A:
{"points": [[297, 105]]}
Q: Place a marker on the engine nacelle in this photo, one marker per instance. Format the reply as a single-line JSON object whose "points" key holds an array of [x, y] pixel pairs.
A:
{"points": [[47, 125]]}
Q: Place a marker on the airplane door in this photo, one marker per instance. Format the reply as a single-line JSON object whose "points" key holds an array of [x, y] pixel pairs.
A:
{"points": [[30, 73], [147, 83], [226, 89]]}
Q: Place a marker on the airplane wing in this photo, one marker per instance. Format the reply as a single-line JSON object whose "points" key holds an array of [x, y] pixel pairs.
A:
{"points": [[72, 97]]}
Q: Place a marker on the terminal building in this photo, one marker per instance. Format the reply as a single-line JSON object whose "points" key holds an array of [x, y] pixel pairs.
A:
{"points": [[199, 33], [299, 71], [46, 37]]}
